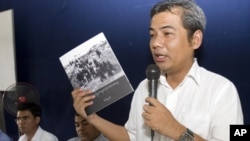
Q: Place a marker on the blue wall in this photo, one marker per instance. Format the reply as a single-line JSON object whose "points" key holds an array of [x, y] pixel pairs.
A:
{"points": [[46, 29]]}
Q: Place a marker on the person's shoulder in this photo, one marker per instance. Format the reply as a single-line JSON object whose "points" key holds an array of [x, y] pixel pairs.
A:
{"points": [[213, 76], [48, 135], [143, 83], [74, 139], [101, 138], [4, 136], [21, 138]]}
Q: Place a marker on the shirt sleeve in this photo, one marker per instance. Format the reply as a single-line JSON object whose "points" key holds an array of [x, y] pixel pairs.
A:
{"points": [[227, 111]]}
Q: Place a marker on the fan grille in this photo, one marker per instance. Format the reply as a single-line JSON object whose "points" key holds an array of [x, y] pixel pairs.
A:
{"points": [[19, 93]]}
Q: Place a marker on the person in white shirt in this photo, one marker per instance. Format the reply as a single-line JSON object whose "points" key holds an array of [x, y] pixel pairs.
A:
{"points": [[86, 131], [28, 121], [192, 104]]}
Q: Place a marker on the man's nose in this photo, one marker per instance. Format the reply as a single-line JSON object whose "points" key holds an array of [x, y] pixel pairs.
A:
{"points": [[157, 41], [82, 127]]}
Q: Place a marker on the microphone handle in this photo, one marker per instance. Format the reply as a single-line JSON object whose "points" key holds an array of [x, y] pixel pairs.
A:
{"points": [[152, 93], [152, 135], [153, 88]]}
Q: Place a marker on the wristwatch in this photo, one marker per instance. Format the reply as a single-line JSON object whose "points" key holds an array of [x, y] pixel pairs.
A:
{"points": [[188, 135]]}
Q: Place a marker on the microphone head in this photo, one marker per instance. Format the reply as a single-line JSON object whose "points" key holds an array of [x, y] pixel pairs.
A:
{"points": [[153, 72]]}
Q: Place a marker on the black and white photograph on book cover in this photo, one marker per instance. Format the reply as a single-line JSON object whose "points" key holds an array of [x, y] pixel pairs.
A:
{"points": [[89, 65], [93, 66]]}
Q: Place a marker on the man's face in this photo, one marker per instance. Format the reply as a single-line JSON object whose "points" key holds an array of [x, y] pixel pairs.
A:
{"points": [[169, 43], [85, 131], [26, 122]]}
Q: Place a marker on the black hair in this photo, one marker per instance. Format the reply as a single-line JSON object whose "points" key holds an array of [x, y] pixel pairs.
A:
{"points": [[193, 17], [34, 108]]}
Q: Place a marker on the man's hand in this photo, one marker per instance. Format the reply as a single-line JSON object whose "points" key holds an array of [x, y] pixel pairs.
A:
{"points": [[82, 99], [160, 119]]}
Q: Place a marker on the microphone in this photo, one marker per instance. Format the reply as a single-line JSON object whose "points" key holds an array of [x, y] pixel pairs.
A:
{"points": [[153, 74]]}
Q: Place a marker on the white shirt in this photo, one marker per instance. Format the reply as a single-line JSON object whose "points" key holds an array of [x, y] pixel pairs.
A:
{"points": [[40, 135], [205, 102], [99, 138]]}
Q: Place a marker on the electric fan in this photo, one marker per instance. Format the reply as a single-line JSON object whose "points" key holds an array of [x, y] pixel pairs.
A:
{"points": [[19, 92]]}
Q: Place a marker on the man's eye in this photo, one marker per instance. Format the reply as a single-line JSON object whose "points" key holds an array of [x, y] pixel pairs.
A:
{"points": [[151, 33], [167, 33], [85, 123], [152, 36]]}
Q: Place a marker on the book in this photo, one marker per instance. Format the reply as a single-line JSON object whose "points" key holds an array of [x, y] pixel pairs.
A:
{"points": [[93, 66]]}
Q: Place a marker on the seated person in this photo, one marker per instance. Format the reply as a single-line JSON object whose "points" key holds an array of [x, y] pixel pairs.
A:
{"points": [[28, 121], [85, 131], [4, 136]]}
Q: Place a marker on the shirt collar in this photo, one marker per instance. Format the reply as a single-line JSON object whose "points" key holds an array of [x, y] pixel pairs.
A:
{"points": [[99, 138], [192, 73], [38, 134]]}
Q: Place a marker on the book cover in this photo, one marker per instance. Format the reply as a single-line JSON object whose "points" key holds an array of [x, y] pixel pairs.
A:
{"points": [[93, 66]]}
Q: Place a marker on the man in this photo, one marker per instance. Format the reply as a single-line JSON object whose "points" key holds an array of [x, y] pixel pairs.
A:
{"points": [[4, 137], [28, 120], [86, 131], [192, 103]]}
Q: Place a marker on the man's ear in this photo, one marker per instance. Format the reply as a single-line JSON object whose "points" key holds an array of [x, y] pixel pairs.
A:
{"points": [[38, 119], [197, 39]]}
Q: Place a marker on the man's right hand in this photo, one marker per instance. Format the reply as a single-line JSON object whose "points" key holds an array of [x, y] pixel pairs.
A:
{"points": [[81, 100]]}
